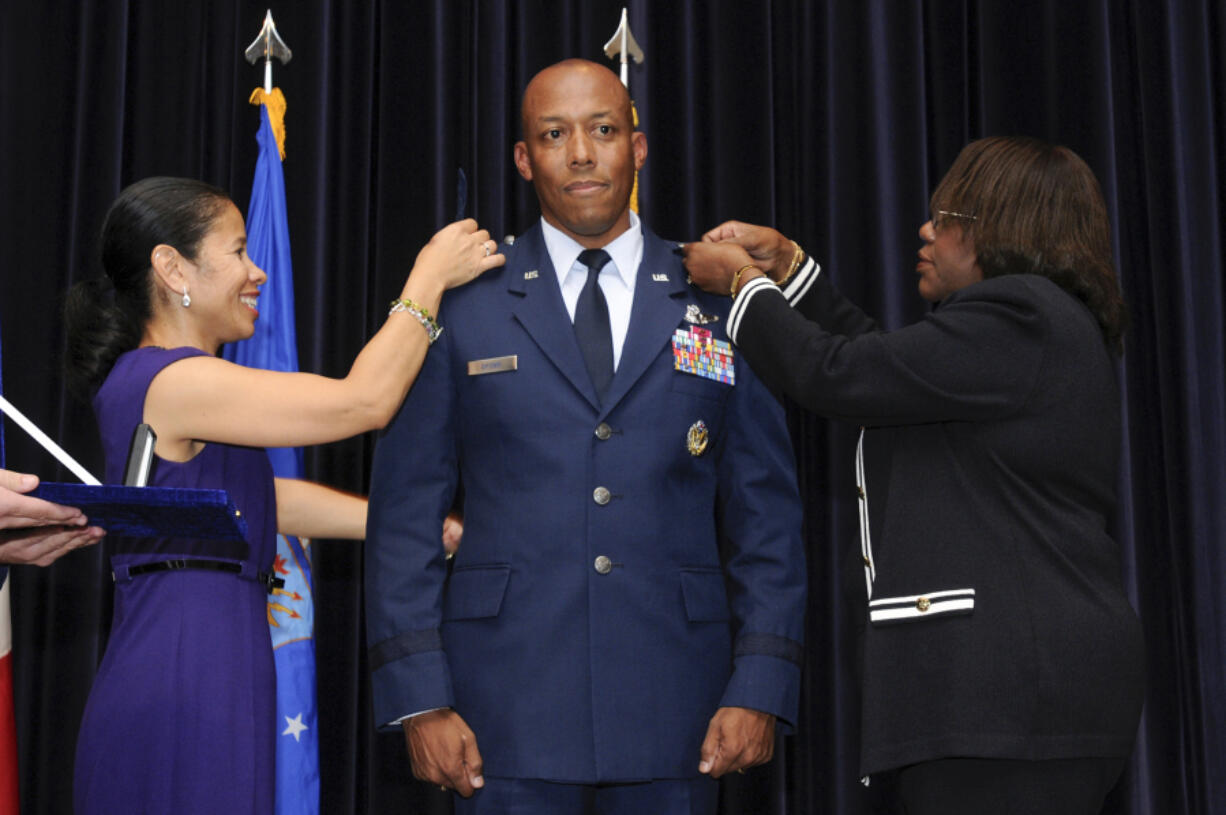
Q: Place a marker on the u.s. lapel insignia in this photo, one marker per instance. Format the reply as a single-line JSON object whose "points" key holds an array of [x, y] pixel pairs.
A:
{"points": [[659, 278], [696, 438], [532, 275], [693, 314]]}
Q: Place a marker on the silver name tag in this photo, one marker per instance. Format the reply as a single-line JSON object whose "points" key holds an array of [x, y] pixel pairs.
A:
{"points": [[493, 365]]}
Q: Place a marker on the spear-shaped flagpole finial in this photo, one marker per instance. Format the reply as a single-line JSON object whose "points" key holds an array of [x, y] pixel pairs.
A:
{"points": [[268, 44], [622, 45]]}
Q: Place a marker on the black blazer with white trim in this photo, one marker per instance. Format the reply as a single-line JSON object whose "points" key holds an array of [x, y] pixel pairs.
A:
{"points": [[997, 621]]}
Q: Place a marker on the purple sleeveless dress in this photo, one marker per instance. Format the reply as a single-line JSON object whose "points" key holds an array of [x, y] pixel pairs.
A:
{"points": [[181, 717]]}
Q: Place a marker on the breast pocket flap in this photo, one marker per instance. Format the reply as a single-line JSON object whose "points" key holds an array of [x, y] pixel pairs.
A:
{"points": [[694, 385]]}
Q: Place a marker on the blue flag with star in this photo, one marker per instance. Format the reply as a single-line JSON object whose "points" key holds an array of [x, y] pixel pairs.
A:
{"points": [[291, 612]]}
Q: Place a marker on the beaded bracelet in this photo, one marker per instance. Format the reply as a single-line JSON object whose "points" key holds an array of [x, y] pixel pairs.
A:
{"points": [[422, 315]]}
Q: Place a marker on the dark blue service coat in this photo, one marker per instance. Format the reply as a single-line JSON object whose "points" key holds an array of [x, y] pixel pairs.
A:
{"points": [[613, 588]]}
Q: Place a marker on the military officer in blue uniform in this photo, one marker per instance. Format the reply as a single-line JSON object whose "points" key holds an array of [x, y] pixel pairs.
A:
{"points": [[623, 621]]}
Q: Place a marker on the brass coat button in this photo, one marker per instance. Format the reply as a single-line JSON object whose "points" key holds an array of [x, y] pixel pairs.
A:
{"points": [[923, 604], [603, 431], [601, 495], [603, 565]]}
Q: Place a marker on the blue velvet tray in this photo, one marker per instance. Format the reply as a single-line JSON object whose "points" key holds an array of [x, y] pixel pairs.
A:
{"points": [[155, 512]]}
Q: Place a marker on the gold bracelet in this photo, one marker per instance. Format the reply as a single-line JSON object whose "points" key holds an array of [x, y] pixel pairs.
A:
{"points": [[736, 278], [797, 256]]}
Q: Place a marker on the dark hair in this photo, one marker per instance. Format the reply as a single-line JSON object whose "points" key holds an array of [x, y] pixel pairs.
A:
{"points": [[106, 316], [1038, 210]]}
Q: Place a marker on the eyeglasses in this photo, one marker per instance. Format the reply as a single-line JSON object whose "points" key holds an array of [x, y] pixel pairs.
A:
{"points": [[942, 216]]}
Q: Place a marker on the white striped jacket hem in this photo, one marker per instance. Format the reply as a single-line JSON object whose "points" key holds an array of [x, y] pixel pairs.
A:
{"points": [[917, 606]]}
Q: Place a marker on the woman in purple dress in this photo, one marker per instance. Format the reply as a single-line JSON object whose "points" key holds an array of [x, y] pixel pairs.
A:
{"points": [[181, 716]]}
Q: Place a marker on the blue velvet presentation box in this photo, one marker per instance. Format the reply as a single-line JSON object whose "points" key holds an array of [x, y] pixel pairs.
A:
{"points": [[202, 522]]}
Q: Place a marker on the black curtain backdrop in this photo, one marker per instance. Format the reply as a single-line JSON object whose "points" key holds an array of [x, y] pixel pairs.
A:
{"points": [[830, 119]]}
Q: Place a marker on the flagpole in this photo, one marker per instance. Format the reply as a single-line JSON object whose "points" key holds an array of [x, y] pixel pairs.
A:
{"points": [[623, 47], [267, 45], [291, 613], [10, 786], [9, 409]]}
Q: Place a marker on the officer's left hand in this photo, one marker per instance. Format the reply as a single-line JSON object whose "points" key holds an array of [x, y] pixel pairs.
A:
{"points": [[737, 738]]}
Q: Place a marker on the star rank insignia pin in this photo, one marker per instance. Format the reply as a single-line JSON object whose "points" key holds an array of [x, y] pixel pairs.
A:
{"points": [[696, 438]]}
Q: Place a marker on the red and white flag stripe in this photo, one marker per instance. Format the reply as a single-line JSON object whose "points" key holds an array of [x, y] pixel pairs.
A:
{"points": [[9, 800]]}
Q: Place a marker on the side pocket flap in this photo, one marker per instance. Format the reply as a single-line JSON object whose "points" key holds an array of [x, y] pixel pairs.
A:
{"points": [[706, 598], [475, 591], [911, 608]]}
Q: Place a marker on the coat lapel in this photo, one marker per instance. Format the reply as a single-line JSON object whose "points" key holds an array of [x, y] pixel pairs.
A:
{"points": [[657, 310], [542, 313]]}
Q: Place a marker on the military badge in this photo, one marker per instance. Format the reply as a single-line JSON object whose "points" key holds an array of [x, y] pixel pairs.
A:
{"points": [[696, 351], [696, 438], [693, 314]]}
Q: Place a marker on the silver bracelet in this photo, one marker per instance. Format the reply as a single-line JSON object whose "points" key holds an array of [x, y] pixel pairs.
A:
{"points": [[422, 315]]}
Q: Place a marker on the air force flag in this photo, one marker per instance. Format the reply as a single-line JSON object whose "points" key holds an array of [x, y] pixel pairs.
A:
{"points": [[291, 614]]}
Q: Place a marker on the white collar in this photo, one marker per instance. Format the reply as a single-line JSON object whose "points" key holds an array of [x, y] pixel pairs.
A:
{"points": [[626, 250]]}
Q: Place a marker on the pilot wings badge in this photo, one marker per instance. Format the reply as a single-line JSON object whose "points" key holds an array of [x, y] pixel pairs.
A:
{"points": [[693, 314]]}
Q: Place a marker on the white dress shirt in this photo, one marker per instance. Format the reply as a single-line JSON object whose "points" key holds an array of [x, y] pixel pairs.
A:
{"points": [[616, 278]]}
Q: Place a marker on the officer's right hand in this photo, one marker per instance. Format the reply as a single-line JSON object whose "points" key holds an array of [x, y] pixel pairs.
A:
{"points": [[444, 751]]}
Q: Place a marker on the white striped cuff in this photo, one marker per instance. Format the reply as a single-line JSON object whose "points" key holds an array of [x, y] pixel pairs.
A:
{"points": [[799, 286], [916, 606], [794, 291], [743, 297]]}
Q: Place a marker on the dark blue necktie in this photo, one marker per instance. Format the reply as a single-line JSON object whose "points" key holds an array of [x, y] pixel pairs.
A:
{"points": [[592, 322]]}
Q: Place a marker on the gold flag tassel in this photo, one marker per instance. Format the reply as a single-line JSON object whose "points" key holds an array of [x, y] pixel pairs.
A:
{"points": [[634, 192], [274, 101]]}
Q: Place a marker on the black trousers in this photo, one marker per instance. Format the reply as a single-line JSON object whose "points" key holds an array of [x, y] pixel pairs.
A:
{"points": [[980, 786]]}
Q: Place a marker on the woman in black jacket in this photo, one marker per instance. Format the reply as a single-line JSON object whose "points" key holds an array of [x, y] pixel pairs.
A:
{"points": [[1003, 666]]}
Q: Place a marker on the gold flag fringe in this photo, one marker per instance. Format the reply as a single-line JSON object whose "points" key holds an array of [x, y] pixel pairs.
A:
{"points": [[634, 191], [275, 102]]}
